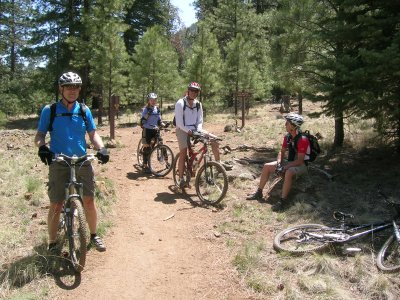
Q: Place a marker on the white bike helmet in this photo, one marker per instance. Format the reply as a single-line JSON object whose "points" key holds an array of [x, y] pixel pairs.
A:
{"points": [[296, 119], [195, 86], [152, 96], [69, 78]]}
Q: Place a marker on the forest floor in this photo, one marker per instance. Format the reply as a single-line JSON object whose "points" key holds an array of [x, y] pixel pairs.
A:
{"points": [[151, 255], [167, 245]]}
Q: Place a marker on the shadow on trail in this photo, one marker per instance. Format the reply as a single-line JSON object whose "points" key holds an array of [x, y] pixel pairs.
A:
{"points": [[40, 264], [168, 198], [136, 175]]}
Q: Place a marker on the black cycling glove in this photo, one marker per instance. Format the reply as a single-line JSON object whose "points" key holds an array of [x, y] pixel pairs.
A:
{"points": [[103, 155], [45, 154]]}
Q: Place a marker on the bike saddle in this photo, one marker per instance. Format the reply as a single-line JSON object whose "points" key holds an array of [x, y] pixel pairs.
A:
{"points": [[338, 215]]}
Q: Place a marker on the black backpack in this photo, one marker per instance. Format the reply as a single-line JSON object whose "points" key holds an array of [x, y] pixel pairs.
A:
{"points": [[315, 149], [53, 114], [184, 107]]}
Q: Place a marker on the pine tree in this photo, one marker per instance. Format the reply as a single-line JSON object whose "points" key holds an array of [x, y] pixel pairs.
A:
{"points": [[204, 65], [155, 66], [240, 71]]}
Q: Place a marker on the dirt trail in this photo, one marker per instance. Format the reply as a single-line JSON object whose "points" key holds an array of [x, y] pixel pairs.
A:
{"points": [[149, 257]]}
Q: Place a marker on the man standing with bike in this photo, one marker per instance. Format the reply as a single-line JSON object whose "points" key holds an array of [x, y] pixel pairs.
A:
{"points": [[68, 121], [295, 165], [189, 119]]}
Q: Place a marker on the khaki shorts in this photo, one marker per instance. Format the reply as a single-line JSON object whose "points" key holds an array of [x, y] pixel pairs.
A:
{"points": [[182, 138], [59, 174], [299, 170]]}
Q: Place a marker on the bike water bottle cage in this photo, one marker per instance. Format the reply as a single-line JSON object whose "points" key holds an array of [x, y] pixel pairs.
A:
{"points": [[341, 216]]}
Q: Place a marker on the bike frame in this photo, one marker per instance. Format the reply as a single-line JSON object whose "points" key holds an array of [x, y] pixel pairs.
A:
{"points": [[193, 155], [72, 188], [375, 227]]}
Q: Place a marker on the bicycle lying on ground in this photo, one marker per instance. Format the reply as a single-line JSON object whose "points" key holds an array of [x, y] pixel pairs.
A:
{"points": [[73, 220], [211, 181], [317, 238], [161, 156]]}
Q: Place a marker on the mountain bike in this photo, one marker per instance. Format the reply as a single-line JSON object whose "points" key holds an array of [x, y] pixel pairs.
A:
{"points": [[73, 220], [161, 156], [211, 181], [317, 238]]}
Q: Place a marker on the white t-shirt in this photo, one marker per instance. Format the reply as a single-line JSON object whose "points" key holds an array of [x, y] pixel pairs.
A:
{"points": [[189, 119]]}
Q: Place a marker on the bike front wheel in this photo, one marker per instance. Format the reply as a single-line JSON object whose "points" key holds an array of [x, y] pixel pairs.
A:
{"points": [[161, 160], [211, 183], [140, 153], [77, 235], [302, 239], [388, 258]]}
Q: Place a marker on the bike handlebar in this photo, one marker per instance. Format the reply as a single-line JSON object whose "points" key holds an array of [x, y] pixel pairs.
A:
{"points": [[73, 160], [204, 137]]}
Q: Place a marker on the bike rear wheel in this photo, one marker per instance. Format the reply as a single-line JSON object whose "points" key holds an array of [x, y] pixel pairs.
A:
{"points": [[302, 239], [388, 258], [77, 235], [175, 172], [140, 153], [211, 183], [161, 160]]}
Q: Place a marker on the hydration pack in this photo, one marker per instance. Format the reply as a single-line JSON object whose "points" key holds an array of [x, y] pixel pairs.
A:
{"points": [[184, 107], [53, 114], [315, 149]]}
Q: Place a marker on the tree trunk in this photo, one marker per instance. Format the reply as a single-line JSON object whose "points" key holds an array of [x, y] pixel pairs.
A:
{"points": [[339, 130], [300, 100]]}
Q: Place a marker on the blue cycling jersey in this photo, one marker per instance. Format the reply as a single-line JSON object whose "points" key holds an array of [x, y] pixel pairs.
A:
{"points": [[153, 119], [68, 135]]}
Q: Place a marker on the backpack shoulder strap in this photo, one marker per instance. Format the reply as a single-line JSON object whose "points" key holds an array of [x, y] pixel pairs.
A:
{"points": [[198, 106], [83, 108], [297, 138], [53, 108]]}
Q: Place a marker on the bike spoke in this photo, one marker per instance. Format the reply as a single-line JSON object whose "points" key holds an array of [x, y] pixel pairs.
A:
{"points": [[211, 183], [161, 160]]}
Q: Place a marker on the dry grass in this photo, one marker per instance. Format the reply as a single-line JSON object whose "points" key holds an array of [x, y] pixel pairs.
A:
{"points": [[248, 227], [24, 261], [361, 165]]}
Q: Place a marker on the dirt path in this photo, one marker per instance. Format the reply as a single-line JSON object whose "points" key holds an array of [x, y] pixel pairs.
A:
{"points": [[149, 257]]}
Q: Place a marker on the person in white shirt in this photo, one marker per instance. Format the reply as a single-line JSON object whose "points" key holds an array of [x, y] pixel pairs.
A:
{"points": [[189, 119]]}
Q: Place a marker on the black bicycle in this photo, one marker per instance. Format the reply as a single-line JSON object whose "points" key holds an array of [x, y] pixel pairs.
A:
{"points": [[161, 156], [317, 238], [73, 220]]}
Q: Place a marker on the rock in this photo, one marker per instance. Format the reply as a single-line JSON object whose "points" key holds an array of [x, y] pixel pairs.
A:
{"points": [[111, 144]]}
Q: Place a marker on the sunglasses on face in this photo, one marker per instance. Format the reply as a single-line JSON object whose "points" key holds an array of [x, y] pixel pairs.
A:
{"points": [[193, 90], [72, 86]]}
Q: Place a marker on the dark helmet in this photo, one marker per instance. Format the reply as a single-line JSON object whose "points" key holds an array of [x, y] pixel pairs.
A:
{"points": [[152, 96], [69, 78], [195, 86], [296, 119]]}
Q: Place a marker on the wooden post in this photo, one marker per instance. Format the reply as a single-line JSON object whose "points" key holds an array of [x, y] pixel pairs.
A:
{"points": [[113, 105], [243, 94]]}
